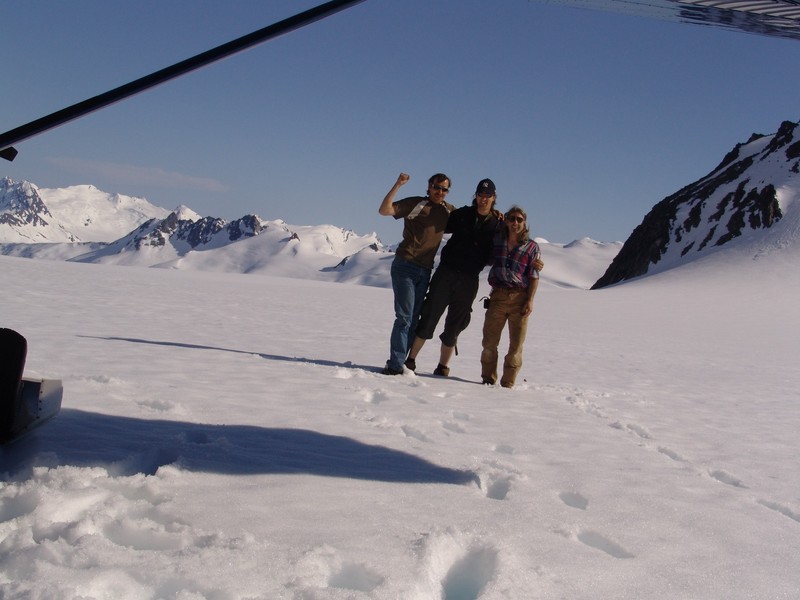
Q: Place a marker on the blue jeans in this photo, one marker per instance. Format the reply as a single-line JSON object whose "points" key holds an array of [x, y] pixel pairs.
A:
{"points": [[409, 282]]}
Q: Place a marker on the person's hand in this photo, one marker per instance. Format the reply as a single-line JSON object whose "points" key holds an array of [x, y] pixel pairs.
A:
{"points": [[387, 208], [528, 308], [498, 214], [538, 264]]}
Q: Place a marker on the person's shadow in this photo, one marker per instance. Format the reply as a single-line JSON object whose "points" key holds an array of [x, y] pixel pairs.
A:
{"points": [[277, 357]]}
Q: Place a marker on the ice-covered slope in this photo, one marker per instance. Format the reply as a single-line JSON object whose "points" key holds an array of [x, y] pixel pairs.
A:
{"points": [[81, 213], [97, 216], [218, 440]]}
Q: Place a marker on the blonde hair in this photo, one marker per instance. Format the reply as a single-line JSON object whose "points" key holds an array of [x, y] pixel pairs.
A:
{"points": [[524, 235]]}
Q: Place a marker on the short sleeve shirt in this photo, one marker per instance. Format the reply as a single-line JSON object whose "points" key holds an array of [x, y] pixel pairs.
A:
{"points": [[423, 229]]}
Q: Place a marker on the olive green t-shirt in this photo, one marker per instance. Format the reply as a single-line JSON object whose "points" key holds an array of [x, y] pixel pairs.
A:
{"points": [[423, 229]]}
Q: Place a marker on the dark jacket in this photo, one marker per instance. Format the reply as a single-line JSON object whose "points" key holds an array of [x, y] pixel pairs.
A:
{"points": [[469, 249]]}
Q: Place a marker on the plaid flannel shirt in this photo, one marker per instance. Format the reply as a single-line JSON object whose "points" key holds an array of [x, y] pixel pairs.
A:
{"points": [[513, 268]]}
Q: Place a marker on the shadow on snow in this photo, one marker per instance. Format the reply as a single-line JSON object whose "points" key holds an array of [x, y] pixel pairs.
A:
{"points": [[278, 357], [127, 446]]}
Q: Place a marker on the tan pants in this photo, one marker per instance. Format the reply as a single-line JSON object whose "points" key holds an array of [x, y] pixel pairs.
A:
{"points": [[506, 306]]}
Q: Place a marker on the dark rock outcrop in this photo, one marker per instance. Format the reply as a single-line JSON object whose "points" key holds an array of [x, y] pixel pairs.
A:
{"points": [[740, 194]]}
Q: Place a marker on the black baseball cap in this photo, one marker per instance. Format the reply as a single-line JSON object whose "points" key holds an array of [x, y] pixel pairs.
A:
{"points": [[486, 186]]}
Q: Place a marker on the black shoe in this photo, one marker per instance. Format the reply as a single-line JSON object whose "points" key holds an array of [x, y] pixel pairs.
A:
{"points": [[441, 370], [487, 381], [387, 370], [411, 364]]}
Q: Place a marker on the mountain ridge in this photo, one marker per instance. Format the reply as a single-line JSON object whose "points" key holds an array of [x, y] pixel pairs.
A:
{"points": [[744, 203], [182, 239], [740, 201]]}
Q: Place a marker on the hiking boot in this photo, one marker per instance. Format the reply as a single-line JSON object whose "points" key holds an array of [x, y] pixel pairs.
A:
{"points": [[411, 364], [441, 370], [487, 381], [387, 370]]}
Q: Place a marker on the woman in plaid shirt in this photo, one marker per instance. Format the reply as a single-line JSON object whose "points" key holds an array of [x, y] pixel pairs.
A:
{"points": [[514, 281]]}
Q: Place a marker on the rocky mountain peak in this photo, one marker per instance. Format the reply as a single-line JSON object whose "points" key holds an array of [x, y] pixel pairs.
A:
{"points": [[742, 194], [21, 205]]}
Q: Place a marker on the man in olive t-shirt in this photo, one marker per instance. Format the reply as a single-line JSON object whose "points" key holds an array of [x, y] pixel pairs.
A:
{"points": [[424, 223]]}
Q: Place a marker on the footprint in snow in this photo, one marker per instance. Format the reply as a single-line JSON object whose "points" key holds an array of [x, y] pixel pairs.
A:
{"points": [[160, 405], [671, 454], [453, 427], [498, 487], [324, 568], [640, 431], [597, 541], [497, 483], [637, 430], [578, 400], [469, 575], [355, 577], [574, 500], [779, 508], [727, 479], [503, 449], [457, 567], [600, 542], [414, 433]]}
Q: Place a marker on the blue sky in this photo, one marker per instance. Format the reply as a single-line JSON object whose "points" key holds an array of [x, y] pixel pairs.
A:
{"points": [[585, 118]]}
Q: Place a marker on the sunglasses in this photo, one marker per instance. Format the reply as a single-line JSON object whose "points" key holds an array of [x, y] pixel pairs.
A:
{"points": [[441, 188], [516, 219]]}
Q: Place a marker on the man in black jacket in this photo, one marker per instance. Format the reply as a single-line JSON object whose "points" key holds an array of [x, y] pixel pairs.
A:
{"points": [[454, 284]]}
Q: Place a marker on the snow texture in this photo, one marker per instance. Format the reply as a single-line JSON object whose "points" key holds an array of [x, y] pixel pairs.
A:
{"points": [[225, 436]]}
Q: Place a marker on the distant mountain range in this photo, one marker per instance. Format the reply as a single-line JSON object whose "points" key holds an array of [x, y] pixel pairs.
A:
{"points": [[84, 224], [81, 213], [745, 199]]}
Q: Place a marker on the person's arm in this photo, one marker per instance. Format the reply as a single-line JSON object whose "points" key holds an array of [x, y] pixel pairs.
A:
{"points": [[533, 284], [532, 287], [387, 206]]}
